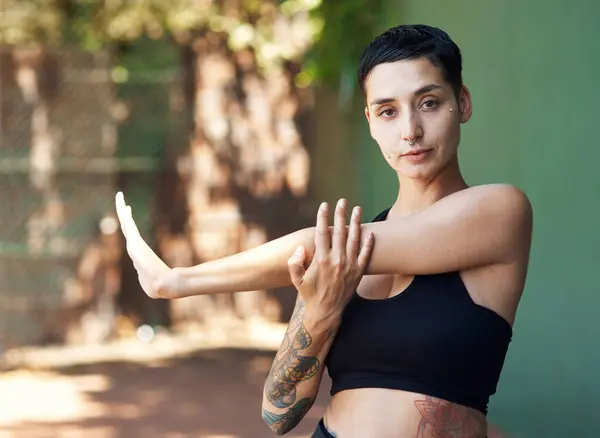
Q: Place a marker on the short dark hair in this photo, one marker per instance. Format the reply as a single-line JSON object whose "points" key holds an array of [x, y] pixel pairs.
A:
{"points": [[411, 42]]}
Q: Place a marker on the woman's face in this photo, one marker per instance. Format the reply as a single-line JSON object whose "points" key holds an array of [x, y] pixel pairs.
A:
{"points": [[411, 101]]}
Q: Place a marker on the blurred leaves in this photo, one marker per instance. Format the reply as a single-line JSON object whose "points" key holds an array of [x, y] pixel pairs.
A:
{"points": [[30, 21], [326, 35], [346, 28]]}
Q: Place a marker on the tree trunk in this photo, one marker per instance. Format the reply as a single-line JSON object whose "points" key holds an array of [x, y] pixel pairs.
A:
{"points": [[247, 171]]}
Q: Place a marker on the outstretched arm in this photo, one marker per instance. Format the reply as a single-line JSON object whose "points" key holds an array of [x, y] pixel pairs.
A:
{"points": [[478, 226]]}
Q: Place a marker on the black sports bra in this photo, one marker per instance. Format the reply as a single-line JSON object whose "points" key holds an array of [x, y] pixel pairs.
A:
{"points": [[430, 339]]}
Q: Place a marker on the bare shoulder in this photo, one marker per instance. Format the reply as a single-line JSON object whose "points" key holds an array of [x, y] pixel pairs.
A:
{"points": [[505, 198], [502, 213], [507, 212], [503, 202], [475, 227]]}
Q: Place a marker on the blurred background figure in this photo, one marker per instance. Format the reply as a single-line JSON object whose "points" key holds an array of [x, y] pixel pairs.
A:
{"points": [[226, 123]]}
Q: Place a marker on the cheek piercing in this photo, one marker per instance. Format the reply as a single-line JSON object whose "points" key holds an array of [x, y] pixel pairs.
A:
{"points": [[451, 110]]}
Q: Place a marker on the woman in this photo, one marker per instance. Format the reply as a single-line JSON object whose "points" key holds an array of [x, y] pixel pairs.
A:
{"points": [[416, 349]]}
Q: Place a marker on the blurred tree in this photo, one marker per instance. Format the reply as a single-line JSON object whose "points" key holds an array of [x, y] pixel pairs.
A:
{"points": [[330, 35], [250, 64]]}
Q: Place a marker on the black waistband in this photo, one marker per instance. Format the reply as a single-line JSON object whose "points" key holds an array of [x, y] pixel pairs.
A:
{"points": [[321, 431]]}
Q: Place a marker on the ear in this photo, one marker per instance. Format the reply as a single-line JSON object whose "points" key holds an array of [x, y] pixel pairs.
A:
{"points": [[368, 116], [465, 104]]}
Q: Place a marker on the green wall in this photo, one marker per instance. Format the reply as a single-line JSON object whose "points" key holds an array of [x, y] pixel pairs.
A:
{"points": [[533, 68]]}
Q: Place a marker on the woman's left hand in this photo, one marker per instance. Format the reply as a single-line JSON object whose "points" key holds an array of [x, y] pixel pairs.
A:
{"points": [[337, 267]]}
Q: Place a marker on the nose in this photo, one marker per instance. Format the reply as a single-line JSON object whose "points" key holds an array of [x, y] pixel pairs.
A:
{"points": [[410, 128]]}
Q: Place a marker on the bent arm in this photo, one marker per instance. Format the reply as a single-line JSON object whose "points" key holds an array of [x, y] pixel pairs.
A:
{"points": [[293, 382], [475, 227]]}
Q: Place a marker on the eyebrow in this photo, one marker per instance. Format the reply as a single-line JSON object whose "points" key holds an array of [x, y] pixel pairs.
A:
{"points": [[420, 91]]}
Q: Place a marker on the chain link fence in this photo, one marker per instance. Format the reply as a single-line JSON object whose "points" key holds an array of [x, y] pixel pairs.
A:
{"points": [[75, 127], [62, 157]]}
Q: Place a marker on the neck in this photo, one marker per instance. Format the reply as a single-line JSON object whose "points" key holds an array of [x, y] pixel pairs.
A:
{"points": [[417, 194]]}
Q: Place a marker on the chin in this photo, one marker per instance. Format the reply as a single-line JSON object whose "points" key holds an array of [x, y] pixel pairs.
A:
{"points": [[418, 172]]}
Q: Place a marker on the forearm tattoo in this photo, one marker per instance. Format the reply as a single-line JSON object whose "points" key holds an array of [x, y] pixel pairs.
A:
{"points": [[285, 422], [291, 366], [443, 419]]}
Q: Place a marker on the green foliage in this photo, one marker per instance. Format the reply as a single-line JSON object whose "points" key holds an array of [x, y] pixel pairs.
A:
{"points": [[348, 26], [30, 21], [327, 36]]}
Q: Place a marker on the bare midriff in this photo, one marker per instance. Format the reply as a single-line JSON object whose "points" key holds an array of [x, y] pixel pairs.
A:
{"points": [[376, 412]]}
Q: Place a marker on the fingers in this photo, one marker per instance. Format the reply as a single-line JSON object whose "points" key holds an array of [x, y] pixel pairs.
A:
{"points": [[121, 211], [296, 266], [322, 232], [128, 225], [339, 230], [345, 243], [365, 252], [353, 242], [132, 228]]}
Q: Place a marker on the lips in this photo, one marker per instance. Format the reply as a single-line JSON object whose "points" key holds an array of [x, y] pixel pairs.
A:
{"points": [[416, 152], [416, 156]]}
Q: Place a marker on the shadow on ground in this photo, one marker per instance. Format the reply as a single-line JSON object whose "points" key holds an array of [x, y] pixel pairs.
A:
{"points": [[210, 394]]}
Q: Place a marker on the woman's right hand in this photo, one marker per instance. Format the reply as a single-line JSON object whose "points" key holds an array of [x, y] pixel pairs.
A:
{"points": [[155, 277], [337, 267]]}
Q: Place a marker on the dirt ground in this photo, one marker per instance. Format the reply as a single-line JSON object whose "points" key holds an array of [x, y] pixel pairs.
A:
{"points": [[208, 393]]}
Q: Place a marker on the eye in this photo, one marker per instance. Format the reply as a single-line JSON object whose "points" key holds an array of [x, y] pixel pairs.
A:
{"points": [[389, 112], [430, 104]]}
